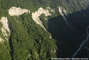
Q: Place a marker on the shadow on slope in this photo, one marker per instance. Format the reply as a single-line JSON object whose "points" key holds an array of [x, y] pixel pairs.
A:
{"points": [[69, 37]]}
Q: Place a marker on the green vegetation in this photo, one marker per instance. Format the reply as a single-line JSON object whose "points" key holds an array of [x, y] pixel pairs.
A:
{"points": [[29, 38], [28, 41]]}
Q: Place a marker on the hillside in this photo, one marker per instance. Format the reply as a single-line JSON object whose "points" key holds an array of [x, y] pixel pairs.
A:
{"points": [[42, 29]]}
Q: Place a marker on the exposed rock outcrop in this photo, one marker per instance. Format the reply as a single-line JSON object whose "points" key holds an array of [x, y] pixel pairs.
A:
{"points": [[16, 11], [63, 12], [37, 14], [5, 28]]}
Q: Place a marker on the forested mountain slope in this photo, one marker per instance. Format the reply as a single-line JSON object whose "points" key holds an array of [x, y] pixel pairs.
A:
{"points": [[69, 37], [42, 29]]}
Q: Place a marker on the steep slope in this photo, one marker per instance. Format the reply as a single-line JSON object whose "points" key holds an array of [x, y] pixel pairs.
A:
{"points": [[37, 28], [69, 37]]}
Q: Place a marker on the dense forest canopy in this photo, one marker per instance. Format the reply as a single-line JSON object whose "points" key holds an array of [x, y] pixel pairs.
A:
{"points": [[27, 40]]}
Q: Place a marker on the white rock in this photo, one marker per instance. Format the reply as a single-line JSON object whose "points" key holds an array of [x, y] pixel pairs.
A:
{"points": [[16, 11], [63, 12], [5, 23], [37, 14], [5, 27]]}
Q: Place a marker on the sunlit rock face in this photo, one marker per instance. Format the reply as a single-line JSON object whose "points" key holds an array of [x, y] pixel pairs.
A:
{"points": [[63, 12], [37, 14], [5, 28], [16, 11]]}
